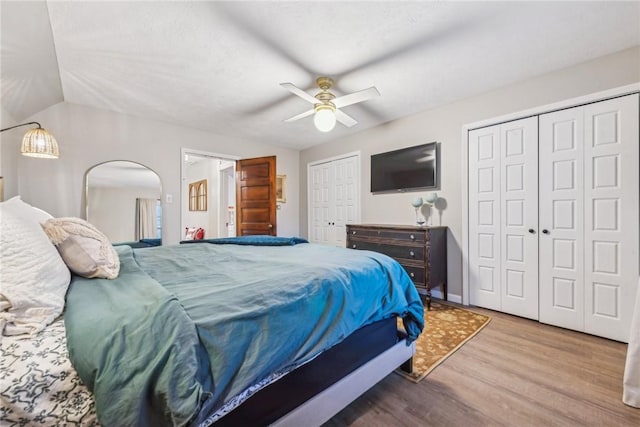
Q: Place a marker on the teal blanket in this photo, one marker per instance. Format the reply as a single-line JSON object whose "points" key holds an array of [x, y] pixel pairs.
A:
{"points": [[186, 328]]}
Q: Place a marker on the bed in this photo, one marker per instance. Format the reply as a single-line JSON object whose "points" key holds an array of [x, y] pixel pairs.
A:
{"points": [[216, 334]]}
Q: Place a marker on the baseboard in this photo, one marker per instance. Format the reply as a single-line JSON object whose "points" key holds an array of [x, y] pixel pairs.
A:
{"points": [[437, 294]]}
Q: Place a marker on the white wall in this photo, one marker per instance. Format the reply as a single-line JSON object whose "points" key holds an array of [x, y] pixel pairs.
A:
{"points": [[444, 124], [88, 136], [113, 210], [9, 138], [203, 169]]}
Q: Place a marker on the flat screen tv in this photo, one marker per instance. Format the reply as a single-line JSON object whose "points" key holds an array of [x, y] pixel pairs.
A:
{"points": [[412, 168]]}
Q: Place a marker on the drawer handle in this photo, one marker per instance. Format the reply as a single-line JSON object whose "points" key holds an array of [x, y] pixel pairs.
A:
{"points": [[354, 246], [353, 232], [412, 254], [412, 275], [412, 237]]}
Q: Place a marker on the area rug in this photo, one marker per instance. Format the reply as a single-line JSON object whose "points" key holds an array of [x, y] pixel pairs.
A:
{"points": [[447, 328]]}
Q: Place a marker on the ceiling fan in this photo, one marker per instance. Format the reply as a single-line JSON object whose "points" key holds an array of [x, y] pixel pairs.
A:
{"points": [[326, 105]]}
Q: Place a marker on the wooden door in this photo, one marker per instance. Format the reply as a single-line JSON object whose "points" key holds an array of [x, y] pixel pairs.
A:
{"points": [[611, 216], [519, 217], [256, 196], [562, 208], [484, 218]]}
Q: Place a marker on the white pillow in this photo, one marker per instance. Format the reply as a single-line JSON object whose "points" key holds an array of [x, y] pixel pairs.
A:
{"points": [[25, 210], [33, 278], [84, 248]]}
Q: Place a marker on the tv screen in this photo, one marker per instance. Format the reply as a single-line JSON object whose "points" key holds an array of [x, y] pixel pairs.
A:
{"points": [[409, 168]]}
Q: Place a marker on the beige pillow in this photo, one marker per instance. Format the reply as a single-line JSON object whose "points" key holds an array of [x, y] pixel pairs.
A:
{"points": [[86, 251]]}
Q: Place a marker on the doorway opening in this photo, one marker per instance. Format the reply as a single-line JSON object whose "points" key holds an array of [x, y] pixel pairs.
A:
{"points": [[212, 177]]}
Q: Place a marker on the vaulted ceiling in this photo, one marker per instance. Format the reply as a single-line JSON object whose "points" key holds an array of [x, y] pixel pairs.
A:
{"points": [[218, 66]]}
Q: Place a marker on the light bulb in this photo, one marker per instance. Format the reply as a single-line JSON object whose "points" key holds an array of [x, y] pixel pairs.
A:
{"points": [[431, 198], [325, 119]]}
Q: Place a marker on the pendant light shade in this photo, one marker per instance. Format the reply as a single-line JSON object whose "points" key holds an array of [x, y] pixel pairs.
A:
{"points": [[38, 142]]}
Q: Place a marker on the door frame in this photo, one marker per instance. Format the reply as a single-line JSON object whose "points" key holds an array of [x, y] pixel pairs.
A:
{"points": [[200, 153], [548, 108], [358, 156]]}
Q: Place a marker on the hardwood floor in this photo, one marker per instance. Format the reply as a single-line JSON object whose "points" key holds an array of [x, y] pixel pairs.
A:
{"points": [[515, 372]]}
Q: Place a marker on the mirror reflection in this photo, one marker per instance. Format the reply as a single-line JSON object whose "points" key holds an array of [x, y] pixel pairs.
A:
{"points": [[123, 200]]}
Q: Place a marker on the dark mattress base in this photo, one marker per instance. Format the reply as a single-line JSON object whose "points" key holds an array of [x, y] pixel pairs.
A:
{"points": [[289, 392]]}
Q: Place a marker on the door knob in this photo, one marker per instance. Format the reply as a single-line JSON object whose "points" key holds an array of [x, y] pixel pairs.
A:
{"points": [[532, 231], [270, 225], [545, 231]]}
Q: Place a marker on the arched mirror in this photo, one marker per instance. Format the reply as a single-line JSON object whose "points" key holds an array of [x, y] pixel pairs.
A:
{"points": [[123, 200]]}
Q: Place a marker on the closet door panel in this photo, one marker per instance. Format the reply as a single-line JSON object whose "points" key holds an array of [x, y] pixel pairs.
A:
{"points": [[346, 198], [561, 199], [484, 218], [321, 206], [519, 217], [611, 215]]}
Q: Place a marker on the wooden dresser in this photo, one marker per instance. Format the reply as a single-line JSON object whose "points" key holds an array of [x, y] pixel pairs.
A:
{"points": [[422, 251]]}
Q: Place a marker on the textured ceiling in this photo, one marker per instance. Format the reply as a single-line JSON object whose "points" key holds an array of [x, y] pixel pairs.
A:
{"points": [[217, 65]]}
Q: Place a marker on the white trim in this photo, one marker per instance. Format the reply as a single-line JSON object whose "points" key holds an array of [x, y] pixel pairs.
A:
{"points": [[465, 216], [330, 159], [561, 105], [320, 408], [200, 153], [359, 184], [568, 103]]}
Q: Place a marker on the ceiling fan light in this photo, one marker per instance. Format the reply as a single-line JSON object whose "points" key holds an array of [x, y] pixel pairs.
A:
{"points": [[324, 119]]}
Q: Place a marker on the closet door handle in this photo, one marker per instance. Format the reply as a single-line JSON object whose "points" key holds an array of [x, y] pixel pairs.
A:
{"points": [[545, 231], [532, 231]]}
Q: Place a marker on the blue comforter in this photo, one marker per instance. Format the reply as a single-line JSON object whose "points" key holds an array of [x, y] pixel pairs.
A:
{"points": [[239, 314]]}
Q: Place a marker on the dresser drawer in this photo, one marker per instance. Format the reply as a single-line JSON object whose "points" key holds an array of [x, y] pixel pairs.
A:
{"points": [[382, 233], [417, 274], [394, 251]]}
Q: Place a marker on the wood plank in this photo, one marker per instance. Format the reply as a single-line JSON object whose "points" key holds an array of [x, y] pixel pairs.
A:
{"points": [[514, 372]]}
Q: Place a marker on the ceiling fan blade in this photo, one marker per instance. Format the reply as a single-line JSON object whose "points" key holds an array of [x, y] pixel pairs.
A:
{"points": [[345, 119], [297, 91], [352, 98], [300, 116]]}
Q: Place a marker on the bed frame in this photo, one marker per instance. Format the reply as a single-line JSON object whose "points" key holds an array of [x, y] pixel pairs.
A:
{"points": [[332, 400], [313, 393]]}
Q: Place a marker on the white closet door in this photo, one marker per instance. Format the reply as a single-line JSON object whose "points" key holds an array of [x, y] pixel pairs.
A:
{"points": [[346, 198], [519, 217], [611, 216], [321, 206], [561, 237], [484, 218]]}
